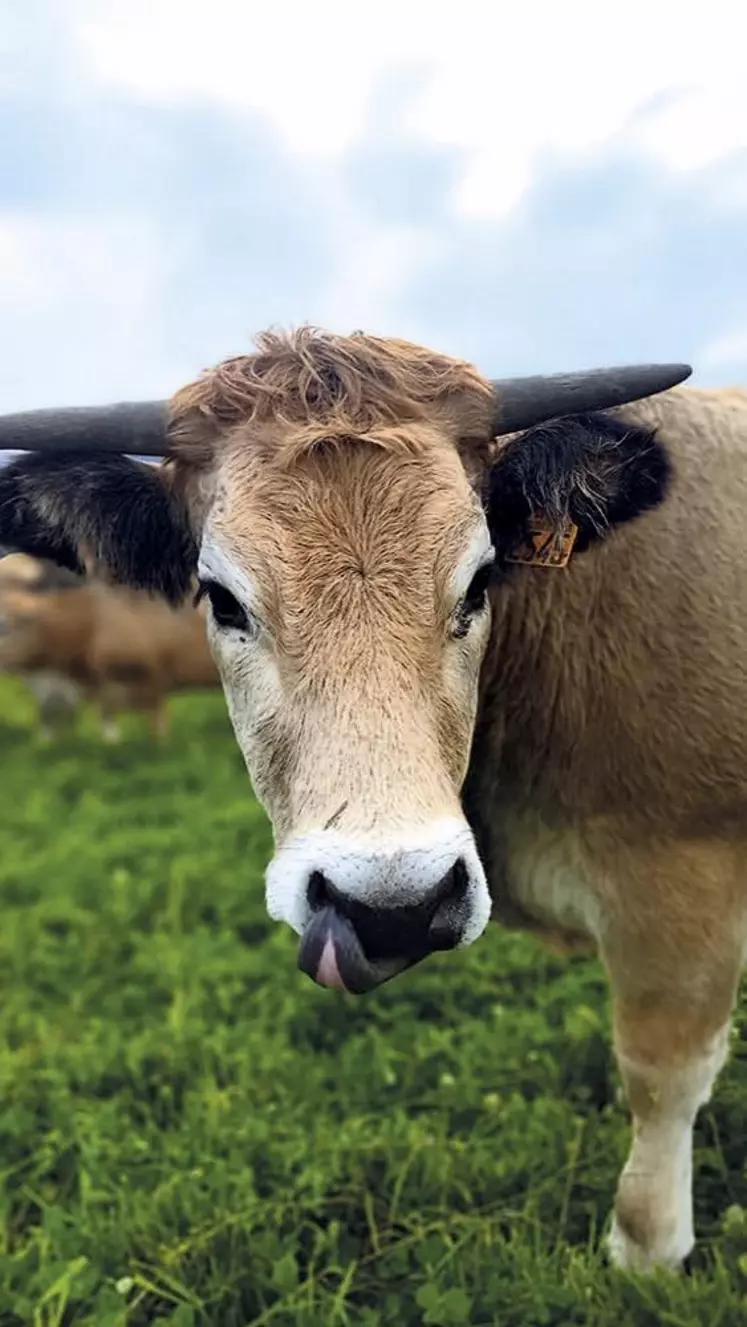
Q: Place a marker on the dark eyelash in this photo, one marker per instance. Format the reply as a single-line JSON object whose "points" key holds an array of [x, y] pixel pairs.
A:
{"points": [[225, 607], [475, 599]]}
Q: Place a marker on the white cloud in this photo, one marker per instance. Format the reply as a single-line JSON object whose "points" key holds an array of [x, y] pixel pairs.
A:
{"points": [[78, 308], [700, 126], [370, 274], [505, 85], [66, 259], [726, 351], [96, 305], [307, 67], [373, 260]]}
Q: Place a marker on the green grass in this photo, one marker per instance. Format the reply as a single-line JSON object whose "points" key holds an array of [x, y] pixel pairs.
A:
{"points": [[191, 1132]]}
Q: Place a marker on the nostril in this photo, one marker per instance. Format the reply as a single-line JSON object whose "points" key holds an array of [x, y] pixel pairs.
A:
{"points": [[451, 885], [444, 927], [321, 893], [318, 891]]}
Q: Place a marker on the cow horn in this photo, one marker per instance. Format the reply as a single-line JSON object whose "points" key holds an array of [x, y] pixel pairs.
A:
{"points": [[522, 402], [137, 428]]}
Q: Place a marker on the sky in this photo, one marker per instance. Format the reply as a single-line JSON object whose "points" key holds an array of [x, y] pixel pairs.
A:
{"points": [[536, 187]]}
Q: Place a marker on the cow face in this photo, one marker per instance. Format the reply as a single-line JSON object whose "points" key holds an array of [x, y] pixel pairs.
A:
{"points": [[336, 503], [346, 556], [349, 615]]}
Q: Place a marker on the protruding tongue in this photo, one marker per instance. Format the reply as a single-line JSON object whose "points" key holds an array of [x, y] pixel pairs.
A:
{"points": [[328, 973], [331, 954]]}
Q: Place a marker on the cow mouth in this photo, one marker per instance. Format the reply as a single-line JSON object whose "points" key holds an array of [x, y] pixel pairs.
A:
{"points": [[332, 955]]}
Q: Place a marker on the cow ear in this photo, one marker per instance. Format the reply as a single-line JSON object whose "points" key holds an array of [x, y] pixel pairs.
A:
{"points": [[119, 515], [593, 470]]}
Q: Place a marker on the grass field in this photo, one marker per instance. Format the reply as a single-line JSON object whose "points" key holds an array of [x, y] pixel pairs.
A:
{"points": [[192, 1133]]}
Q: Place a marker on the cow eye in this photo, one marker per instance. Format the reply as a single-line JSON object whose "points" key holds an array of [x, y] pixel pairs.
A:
{"points": [[226, 609], [476, 598], [477, 595]]}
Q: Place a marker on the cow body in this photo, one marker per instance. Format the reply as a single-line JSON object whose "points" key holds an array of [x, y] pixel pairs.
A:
{"points": [[440, 728], [608, 787], [72, 640], [614, 698]]}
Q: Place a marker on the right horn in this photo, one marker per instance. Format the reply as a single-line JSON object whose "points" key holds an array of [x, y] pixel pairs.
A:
{"points": [[522, 402], [137, 428]]}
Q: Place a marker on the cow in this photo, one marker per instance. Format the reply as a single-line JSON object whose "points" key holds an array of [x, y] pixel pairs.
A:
{"points": [[18, 571], [484, 650], [57, 697], [71, 640]]}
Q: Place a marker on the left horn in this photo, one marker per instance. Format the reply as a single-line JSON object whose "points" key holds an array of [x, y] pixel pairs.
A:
{"points": [[521, 403], [137, 428]]}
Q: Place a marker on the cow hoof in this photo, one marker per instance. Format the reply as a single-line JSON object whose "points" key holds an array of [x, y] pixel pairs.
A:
{"points": [[629, 1256]]}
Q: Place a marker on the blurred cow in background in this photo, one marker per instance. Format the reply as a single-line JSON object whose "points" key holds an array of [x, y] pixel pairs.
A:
{"points": [[73, 640], [58, 697]]}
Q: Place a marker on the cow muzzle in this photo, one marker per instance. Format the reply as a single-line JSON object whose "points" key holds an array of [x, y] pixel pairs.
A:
{"points": [[354, 947], [365, 911]]}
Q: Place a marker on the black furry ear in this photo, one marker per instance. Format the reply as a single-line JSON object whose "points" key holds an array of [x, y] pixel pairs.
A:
{"points": [[116, 511], [592, 469]]}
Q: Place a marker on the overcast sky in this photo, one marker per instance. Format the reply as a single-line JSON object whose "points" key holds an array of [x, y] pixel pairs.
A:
{"points": [[535, 186]]}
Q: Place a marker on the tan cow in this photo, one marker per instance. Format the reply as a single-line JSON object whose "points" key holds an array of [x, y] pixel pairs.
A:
{"points": [[57, 697], [485, 652], [120, 649]]}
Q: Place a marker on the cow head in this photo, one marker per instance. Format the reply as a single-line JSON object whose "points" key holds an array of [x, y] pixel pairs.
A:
{"points": [[342, 505]]}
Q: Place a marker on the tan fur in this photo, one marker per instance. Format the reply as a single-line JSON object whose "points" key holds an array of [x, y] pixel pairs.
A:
{"points": [[17, 569], [338, 593], [606, 762], [119, 649], [311, 385], [324, 450]]}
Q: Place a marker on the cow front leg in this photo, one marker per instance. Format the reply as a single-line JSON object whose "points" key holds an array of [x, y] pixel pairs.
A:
{"points": [[111, 732], [158, 720], [653, 1218], [672, 943], [108, 699]]}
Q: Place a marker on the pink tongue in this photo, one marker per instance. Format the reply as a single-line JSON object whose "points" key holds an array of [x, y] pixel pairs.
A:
{"points": [[328, 973]]}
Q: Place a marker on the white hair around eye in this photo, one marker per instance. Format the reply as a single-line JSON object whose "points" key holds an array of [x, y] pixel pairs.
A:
{"points": [[478, 553], [215, 565]]}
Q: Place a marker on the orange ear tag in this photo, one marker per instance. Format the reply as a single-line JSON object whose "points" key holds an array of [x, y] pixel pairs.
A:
{"points": [[545, 547]]}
